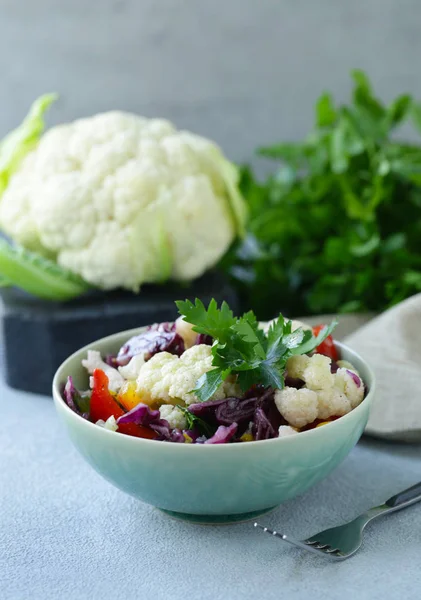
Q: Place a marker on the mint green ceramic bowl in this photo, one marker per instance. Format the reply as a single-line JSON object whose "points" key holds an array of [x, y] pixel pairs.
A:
{"points": [[206, 483]]}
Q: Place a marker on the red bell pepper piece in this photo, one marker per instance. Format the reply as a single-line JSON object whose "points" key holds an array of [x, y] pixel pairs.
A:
{"points": [[104, 405], [327, 347]]}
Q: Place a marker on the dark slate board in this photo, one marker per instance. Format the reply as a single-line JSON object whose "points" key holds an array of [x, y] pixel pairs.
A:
{"points": [[39, 335]]}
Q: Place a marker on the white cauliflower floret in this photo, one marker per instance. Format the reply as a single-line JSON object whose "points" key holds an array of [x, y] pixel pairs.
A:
{"points": [[175, 417], [325, 394], [122, 200], [94, 361], [185, 330], [296, 366], [286, 431], [131, 370], [298, 407], [155, 376], [317, 374], [110, 423], [344, 364], [332, 403], [231, 389], [170, 378], [350, 384]]}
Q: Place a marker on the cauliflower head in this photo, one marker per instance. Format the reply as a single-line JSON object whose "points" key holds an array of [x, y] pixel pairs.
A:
{"points": [[122, 200]]}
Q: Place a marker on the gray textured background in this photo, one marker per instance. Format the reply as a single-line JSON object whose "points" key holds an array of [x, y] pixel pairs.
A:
{"points": [[244, 72]]}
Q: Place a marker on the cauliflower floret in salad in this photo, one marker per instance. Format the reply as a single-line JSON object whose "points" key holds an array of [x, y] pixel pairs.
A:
{"points": [[131, 370], [94, 361], [168, 378], [334, 395], [110, 423], [349, 383], [332, 403], [286, 431], [185, 330], [317, 374], [173, 415], [298, 407], [345, 364], [296, 366]]}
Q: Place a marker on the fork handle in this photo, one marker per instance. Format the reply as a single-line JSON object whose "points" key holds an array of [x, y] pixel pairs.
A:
{"points": [[405, 498]]}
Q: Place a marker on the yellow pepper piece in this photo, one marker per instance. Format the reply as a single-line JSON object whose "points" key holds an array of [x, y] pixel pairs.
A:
{"points": [[188, 439], [128, 396], [246, 437], [323, 423]]}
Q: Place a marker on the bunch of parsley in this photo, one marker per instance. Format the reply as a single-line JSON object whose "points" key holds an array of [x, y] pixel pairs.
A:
{"points": [[243, 349], [338, 226]]}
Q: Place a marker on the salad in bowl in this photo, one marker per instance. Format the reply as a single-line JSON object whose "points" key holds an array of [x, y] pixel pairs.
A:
{"points": [[213, 378]]}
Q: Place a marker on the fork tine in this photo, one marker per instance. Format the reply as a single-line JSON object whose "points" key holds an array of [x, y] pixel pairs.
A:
{"points": [[298, 544]]}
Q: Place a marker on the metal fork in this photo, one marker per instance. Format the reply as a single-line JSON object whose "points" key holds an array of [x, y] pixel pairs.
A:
{"points": [[342, 542]]}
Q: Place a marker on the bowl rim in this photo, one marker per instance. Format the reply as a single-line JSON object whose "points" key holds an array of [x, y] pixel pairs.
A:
{"points": [[317, 431]]}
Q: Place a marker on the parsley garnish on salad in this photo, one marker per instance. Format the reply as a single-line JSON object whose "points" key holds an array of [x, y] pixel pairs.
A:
{"points": [[195, 422], [241, 348]]}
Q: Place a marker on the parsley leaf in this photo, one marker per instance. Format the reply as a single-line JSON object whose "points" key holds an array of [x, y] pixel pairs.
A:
{"points": [[192, 422], [311, 342], [211, 321], [208, 383]]}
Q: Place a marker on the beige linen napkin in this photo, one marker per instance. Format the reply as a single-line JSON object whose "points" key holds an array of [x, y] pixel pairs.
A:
{"points": [[391, 344]]}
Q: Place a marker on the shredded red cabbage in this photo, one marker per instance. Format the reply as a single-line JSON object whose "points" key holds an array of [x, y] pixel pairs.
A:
{"points": [[204, 339], [193, 434], [143, 415], [161, 337], [257, 406], [262, 427], [111, 360], [223, 434], [77, 401], [201, 440], [355, 377], [334, 367], [176, 435]]}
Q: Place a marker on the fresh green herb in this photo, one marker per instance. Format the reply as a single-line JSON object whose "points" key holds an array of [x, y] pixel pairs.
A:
{"points": [[82, 401], [338, 225], [193, 422], [37, 275], [243, 349]]}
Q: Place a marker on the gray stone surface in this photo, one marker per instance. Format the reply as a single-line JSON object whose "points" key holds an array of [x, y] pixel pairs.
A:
{"points": [[244, 72], [66, 534]]}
